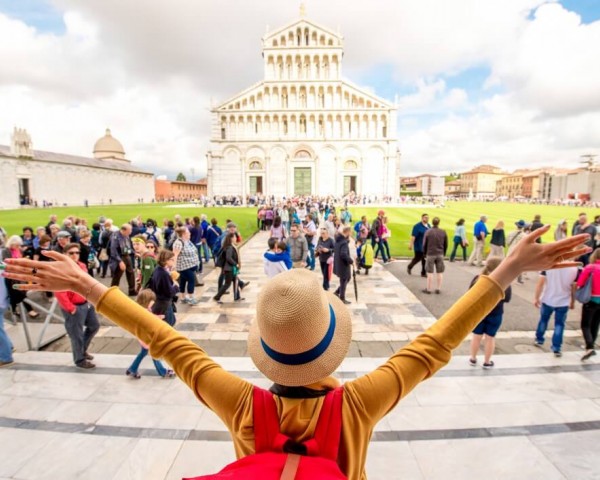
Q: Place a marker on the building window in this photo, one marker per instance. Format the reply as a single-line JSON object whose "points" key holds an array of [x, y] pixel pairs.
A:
{"points": [[285, 127], [223, 133]]}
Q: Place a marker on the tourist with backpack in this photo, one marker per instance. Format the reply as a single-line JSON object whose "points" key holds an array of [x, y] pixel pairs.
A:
{"points": [[186, 264], [307, 421]]}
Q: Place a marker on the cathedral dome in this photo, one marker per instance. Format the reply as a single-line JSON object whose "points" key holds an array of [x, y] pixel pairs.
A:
{"points": [[108, 147]]}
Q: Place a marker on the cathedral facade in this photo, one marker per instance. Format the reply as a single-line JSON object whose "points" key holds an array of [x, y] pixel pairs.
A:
{"points": [[303, 130]]}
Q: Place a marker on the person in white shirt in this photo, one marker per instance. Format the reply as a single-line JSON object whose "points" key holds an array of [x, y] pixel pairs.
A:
{"points": [[274, 261], [554, 293], [301, 212]]}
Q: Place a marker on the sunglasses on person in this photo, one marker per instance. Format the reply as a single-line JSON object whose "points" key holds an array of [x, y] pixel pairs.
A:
{"points": [[73, 252]]}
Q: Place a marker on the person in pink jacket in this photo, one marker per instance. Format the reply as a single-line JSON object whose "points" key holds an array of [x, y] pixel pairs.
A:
{"points": [[590, 313], [81, 322]]}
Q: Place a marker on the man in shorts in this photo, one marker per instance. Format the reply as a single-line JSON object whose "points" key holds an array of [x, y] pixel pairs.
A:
{"points": [[435, 245]]}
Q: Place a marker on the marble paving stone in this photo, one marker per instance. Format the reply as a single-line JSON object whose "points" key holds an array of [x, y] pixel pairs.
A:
{"points": [[78, 412], [199, 318], [578, 410], [29, 408], [448, 417], [150, 459], [442, 391], [392, 460], [78, 456], [490, 458], [574, 454], [209, 421], [178, 394], [59, 385], [181, 417], [19, 447], [528, 388], [125, 389], [200, 458]]}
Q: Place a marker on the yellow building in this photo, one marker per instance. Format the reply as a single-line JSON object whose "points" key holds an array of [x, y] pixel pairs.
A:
{"points": [[480, 182], [511, 186]]}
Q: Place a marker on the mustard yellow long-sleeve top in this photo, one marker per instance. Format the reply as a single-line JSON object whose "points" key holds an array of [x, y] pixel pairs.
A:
{"points": [[366, 400]]}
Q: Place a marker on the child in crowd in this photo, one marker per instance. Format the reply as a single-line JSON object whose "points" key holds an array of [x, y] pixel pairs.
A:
{"points": [[146, 299], [491, 323], [365, 255], [277, 259], [146, 262]]}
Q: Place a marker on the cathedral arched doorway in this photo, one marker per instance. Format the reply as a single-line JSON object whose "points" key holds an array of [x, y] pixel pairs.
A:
{"points": [[350, 176], [303, 173], [256, 176]]}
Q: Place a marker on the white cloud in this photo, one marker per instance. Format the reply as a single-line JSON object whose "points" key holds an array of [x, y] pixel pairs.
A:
{"points": [[148, 69]]}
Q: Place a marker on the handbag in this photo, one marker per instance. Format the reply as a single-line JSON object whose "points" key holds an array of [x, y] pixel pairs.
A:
{"points": [[103, 257], [584, 294]]}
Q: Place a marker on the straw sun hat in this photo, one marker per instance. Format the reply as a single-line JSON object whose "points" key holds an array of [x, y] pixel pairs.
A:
{"points": [[301, 333]]}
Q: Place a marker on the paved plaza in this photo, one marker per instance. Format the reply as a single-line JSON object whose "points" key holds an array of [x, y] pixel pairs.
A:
{"points": [[534, 416]]}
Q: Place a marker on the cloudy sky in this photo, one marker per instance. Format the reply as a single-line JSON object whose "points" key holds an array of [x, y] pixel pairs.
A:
{"points": [[509, 82]]}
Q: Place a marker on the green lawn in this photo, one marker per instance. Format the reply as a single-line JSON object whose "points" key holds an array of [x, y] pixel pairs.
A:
{"points": [[14, 220], [400, 219]]}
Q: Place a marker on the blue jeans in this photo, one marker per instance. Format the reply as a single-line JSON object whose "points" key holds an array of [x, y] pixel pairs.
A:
{"points": [[380, 247], [310, 260], [81, 327], [5, 343], [560, 316], [187, 277], [160, 369], [206, 251]]}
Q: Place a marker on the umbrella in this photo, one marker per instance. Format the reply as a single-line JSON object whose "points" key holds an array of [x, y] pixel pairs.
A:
{"points": [[355, 286]]}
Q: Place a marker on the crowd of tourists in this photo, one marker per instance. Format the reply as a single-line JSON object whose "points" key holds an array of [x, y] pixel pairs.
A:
{"points": [[555, 290]]}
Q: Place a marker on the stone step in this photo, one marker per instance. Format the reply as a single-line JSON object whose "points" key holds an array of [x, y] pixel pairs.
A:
{"points": [[524, 411]]}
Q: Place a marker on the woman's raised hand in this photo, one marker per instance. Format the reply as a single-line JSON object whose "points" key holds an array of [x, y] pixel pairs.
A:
{"points": [[61, 275], [530, 256]]}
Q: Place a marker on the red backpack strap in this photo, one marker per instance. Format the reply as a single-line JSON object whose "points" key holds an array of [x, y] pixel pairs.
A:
{"points": [[266, 421], [326, 441]]}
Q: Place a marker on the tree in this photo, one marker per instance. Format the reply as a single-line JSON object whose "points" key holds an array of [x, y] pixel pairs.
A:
{"points": [[181, 177]]}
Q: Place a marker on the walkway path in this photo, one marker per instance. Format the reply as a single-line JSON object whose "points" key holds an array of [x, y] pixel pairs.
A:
{"points": [[386, 316]]}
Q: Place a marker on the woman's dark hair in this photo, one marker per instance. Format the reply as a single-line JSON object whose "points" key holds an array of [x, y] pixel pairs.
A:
{"points": [[28, 228], [96, 227], [196, 221], [277, 221], [460, 222], [170, 224], [150, 223], [164, 256], [228, 240], [180, 231]]}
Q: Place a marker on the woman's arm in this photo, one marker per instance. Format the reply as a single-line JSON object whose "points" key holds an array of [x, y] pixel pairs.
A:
{"points": [[220, 390], [379, 391]]}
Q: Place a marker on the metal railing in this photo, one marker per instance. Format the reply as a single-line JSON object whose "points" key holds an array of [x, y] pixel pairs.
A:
{"points": [[50, 314]]}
